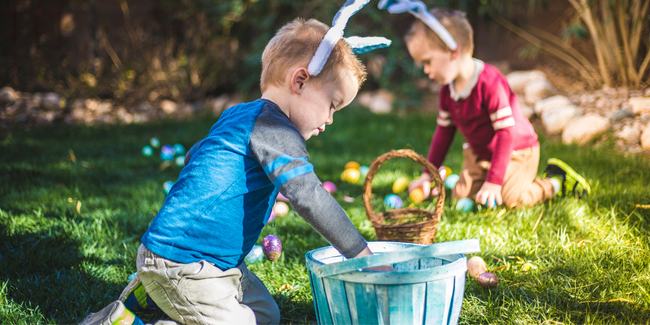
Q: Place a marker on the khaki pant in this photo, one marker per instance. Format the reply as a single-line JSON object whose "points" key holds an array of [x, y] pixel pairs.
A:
{"points": [[520, 187], [201, 293]]}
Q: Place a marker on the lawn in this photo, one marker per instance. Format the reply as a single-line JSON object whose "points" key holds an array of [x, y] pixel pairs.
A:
{"points": [[75, 201]]}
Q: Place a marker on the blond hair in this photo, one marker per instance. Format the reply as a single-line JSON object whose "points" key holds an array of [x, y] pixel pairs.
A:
{"points": [[295, 44], [456, 24]]}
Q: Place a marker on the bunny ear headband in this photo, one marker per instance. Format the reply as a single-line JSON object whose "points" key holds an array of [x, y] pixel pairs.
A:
{"points": [[419, 10], [335, 33]]}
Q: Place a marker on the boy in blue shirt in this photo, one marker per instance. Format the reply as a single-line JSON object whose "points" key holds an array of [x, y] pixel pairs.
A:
{"points": [[191, 261]]}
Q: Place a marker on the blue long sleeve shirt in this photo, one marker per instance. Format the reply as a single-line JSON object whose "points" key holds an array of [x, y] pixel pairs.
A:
{"points": [[224, 196]]}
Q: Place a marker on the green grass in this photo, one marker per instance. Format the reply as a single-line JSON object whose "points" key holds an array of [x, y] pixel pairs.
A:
{"points": [[590, 258]]}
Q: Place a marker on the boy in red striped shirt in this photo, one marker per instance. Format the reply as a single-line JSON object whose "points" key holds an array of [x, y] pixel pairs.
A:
{"points": [[501, 155]]}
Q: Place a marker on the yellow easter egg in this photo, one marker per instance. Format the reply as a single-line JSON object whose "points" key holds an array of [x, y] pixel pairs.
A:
{"points": [[400, 184], [476, 266], [417, 195], [350, 175], [353, 165]]}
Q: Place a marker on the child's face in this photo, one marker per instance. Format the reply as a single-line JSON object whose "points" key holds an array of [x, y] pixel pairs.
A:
{"points": [[436, 62], [318, 102]]}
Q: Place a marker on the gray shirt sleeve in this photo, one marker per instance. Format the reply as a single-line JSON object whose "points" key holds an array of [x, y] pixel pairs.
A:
{"points": [[281, 151]]}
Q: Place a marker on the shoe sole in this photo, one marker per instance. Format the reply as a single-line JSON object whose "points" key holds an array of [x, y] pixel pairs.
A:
{"points": [[567, 169]]}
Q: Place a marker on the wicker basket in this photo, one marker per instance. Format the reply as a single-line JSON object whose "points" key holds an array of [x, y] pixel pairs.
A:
{"points": [[411, 225]]}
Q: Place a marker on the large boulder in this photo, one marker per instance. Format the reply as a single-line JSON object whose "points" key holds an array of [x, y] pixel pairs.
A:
{"points": [[52, 101], [630, 134], [380, 101], [168, 106], [556, 118], [8, 95], [518, 79], [584, 129], [554, 101], [645, 137], [639, 105], [537, 90]]}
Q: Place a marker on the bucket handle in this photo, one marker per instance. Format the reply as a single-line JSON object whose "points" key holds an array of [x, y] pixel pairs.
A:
{"points": [[440, 249]]}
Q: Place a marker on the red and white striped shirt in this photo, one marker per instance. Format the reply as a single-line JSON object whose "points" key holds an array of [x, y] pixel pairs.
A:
{"points": [[488, 115]]}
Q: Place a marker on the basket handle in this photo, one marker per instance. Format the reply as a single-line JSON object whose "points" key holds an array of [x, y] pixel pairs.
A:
{"points": [[354, 264], [403, 153]]}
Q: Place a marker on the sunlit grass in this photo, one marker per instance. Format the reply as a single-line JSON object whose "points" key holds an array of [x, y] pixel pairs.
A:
{"points": [[588, 261]]}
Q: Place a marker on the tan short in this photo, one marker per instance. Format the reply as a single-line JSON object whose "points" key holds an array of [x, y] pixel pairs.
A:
{"points": [[520, 186], [201, 293]]}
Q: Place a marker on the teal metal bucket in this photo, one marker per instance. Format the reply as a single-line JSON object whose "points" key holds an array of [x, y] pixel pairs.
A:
{"points": [[427, 288]]}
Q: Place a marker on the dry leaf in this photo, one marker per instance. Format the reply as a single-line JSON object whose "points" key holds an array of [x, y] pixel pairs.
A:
{"points": [[78, 206]]}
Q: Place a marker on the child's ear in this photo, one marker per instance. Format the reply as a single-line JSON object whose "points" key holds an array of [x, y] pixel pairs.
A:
{"points": [[455, 53], [298, 79]]}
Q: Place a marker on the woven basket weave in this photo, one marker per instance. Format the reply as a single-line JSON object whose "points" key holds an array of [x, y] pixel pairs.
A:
{"points": [[411, 225]]}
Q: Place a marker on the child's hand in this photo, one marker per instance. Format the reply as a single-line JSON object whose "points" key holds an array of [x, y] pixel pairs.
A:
{"points": [[489, 193], [382, 268], [424, 183]]}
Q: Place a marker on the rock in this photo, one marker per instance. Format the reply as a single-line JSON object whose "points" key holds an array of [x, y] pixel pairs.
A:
{"points": [[168, 106], [364, 98], [8, 95], [556, 118], [103, 108], [143, 108], [583, 129], [382, 102], [537, 90], [630, 134], [527, 110], [52, 101], [639, 105], [646, 92], [123, 116], [554, 101], [620, 115], [645, 137], [518, 79], [623, 91], [91, 104]]}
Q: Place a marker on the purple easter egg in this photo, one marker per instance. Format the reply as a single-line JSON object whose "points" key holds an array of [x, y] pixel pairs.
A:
{"points": [[488, 280], [330, 187], [167, 152], [272, 216], [272, 247]]}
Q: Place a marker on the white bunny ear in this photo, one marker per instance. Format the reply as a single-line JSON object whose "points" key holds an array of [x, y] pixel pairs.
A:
{"points": [[364, 44], [335, 33], [419, 10]]}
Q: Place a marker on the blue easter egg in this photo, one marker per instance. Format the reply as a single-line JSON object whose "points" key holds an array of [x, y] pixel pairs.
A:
{"points": [[179, 149], [154, 142], [393, 201], [494, 203], [132, 276], [167, 152], [451, 181], [167, 186], [147, 151], [363, 170], [465, 204], [255, 255], [180, 161]]}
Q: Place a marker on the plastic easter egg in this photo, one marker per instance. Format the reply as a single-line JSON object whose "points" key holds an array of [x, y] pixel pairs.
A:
{"points": [[255, 255], [154, 142], [180, 161], [281, 209], [353, 165], [329, 187], [476, 266], [451, 180], [400, 184], [465, 204], [167, 152], [147, 151], [272, 247], [393, 201], [167, 186], [179, 149], [350, 175], [435, 191], [444, 171], [417, 195], [271, 217], [281, 197], [488, 280], [363, 170], [494, 203]]}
